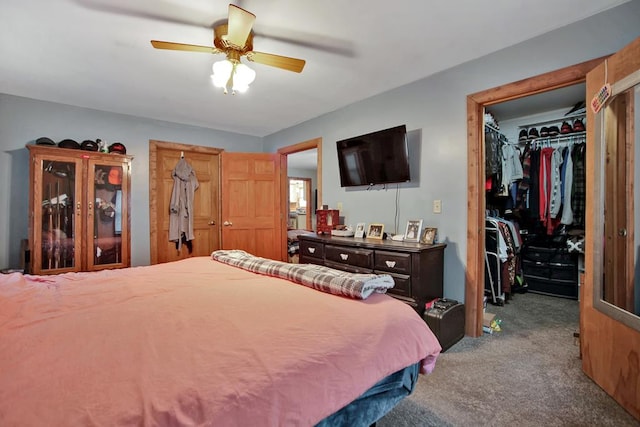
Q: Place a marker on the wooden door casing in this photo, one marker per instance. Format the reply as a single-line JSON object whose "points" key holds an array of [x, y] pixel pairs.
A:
{"points": [[163, 157], [476, 103], [251, 203]]}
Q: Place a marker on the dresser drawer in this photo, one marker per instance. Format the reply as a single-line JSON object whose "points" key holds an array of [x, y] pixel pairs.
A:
{"points": [[393, 262], [402, 283], [311, 249], [347, 267], [351, 256]]}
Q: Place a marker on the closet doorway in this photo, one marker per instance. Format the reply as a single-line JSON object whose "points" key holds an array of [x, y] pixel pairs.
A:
{"points": [[546, 251], [477, 104]]}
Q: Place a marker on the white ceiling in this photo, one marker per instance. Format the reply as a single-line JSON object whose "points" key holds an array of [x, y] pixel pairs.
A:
{"points": [[96, 53]]}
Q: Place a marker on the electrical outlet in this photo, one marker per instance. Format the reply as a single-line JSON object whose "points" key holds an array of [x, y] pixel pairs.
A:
{"points": [[339, 206], [437, 206]]}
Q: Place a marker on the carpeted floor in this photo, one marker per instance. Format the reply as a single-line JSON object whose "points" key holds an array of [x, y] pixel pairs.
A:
{"points": [[529, 374]]}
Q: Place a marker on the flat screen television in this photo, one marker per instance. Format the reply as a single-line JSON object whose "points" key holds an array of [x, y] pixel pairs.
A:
{"points": [[375, 158]]}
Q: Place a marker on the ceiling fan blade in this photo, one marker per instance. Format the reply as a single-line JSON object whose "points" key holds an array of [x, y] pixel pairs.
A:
{"points": [[159, 10], [240, 23], [284, 62], [187, 47]]}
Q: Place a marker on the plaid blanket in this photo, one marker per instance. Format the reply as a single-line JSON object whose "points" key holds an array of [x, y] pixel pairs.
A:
{"points": [[325, 279]]}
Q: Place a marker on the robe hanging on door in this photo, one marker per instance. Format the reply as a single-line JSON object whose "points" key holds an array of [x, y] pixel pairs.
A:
{"points": [[185, 184]]}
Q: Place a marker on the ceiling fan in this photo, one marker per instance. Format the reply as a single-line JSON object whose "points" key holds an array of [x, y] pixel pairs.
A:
{"points": [[235, 39]]}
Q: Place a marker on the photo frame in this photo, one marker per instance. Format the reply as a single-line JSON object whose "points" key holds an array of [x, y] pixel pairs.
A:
{"points": [[376, 231], [359, 230], [429, 235], [412, 232]]}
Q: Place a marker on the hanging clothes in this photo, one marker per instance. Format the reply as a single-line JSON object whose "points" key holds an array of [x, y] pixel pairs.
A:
{"points": [[567, 210], [579, 186], [185, 184]]}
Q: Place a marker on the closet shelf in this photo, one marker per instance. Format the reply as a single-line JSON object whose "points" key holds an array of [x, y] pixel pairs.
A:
{"points": [[559, 138], [557, 120]]}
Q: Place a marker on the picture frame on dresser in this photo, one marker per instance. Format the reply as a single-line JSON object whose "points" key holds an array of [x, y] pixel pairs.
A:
{"points": [[359, 230], [376, 231], [412, 232], [428, 236]]}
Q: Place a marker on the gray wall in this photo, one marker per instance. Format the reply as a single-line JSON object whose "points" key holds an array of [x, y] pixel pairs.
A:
{"points": [[24, 120], [434, 110]]}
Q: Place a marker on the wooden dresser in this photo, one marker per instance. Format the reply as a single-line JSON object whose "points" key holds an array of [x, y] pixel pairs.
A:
{"points": [[416, 268]]}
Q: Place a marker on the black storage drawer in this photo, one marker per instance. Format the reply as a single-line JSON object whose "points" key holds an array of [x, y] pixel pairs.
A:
{"points": [[312, 249], [394, 262], [554, 271], [546, 255], [552, 287], [351, 256], [550, 270]]}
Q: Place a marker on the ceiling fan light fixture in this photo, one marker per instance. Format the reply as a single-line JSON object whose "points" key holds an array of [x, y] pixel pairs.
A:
{"points": [[242, 77], [232, 74]]}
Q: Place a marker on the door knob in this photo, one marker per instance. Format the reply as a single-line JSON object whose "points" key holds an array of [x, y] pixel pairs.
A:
{"points": [[622, 232], [227, 223]]}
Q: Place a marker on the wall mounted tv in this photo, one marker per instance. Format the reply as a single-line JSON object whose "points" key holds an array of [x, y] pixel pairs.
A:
{"points": [[380, 157]]}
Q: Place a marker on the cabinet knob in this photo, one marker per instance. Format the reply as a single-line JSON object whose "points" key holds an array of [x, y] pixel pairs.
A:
{"points": [[344, 257], [212, 222], [227, 223], [390, 264], [311, 250]]}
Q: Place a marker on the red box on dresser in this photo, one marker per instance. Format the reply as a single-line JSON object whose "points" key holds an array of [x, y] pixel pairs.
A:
{"points": [[327, 219]]}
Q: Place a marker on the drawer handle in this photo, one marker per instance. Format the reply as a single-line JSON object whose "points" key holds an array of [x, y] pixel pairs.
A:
{"points": [[344, 257], [311, 250], [390, 264]]}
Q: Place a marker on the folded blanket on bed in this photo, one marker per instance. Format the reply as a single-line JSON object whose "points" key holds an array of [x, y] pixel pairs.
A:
{"points": [[325, 279]]}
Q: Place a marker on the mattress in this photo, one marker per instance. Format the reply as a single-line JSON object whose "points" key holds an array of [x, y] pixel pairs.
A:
{"points": [[191, 342]]}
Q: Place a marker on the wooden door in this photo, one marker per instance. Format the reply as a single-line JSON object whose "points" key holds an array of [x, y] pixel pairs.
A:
{"points": [[205, 161], [251, 203], [610, 348]]}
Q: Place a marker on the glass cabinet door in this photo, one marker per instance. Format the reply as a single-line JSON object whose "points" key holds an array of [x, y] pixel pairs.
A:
{"points": [[105, 213], [55, 215]]}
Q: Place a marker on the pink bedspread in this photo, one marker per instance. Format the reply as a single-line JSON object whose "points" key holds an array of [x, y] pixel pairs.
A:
{"points": [[194, 342]]}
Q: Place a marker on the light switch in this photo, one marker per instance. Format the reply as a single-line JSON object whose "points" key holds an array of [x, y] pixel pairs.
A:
{"points": [[339, 206], [437, 206]]}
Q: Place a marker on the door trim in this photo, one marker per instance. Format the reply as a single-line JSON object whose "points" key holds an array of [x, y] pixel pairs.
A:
{"points": [[284, 180], [476, 103], [154, 145]]}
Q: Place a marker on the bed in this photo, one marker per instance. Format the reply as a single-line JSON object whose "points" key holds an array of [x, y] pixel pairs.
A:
{"points": [[206, 341]]}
